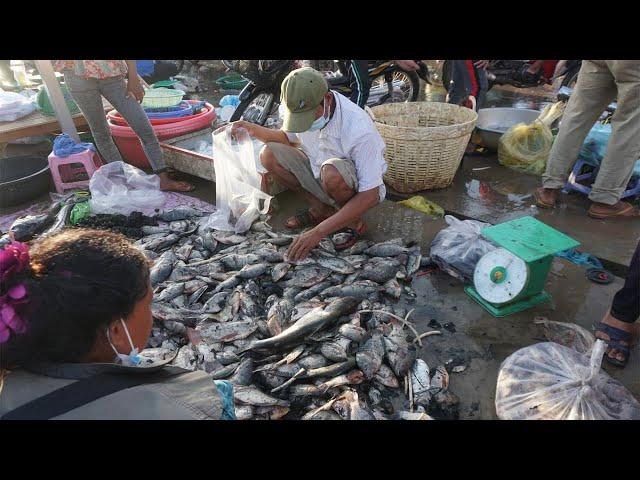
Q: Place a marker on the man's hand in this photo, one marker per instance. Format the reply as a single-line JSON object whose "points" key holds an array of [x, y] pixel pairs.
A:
{"points": [[303, 244], [409, 65], [134, 89], [481, 64]]}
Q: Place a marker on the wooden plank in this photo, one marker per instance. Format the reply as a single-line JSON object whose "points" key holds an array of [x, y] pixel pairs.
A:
{"points": [[56, 98], [37, 123]]}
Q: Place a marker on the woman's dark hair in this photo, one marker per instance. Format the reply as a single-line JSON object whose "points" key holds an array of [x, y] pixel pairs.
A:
{"points": [[79, 281]]}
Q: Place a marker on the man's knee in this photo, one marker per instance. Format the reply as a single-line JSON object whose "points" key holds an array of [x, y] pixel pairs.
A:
{"points": [[332, 181], [268, 158]]}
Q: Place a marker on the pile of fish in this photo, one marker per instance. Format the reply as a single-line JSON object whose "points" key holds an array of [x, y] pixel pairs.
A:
{"points": [[323, 338]]}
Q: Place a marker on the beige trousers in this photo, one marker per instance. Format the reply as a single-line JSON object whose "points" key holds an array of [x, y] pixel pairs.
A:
{"points": [[599, 83]]}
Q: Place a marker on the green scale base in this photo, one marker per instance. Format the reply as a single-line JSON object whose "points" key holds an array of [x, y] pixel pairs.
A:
{"points": [[508, 308]]}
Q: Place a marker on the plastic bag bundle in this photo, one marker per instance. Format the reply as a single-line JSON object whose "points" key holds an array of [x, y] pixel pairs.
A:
{"points": [[239, 197], [457, 248], [526, 147], [14, 106], [548, 381], [122, 188]]}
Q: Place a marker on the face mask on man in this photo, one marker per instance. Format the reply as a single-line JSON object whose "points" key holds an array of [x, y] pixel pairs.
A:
{"points": [[321, 122], [131, 360]]}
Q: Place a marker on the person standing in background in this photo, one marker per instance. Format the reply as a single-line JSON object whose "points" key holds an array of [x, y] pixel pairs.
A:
{"points": [[117, 81], [600, 82]]}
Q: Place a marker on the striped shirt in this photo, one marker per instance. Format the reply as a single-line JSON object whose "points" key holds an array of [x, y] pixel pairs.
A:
{"points": [[349, 134]]}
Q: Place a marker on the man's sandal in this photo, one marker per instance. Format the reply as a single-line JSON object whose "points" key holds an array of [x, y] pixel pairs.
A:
{"points": [[302, 219], [616, 336]]}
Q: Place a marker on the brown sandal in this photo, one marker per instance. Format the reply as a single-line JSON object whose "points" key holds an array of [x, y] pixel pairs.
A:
{"points": [[303, 219], [537, 194]]}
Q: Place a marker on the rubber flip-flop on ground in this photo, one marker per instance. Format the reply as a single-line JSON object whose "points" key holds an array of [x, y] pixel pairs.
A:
{"points": [[616, 336]]}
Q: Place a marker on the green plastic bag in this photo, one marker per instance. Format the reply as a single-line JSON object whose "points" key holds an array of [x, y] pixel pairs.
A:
{"points": [[423, 205], [44, 104], [79, 211]]}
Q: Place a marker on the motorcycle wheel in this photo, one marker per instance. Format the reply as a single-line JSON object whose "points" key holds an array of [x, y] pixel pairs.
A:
{"points": [[409, 93], [255, 109], [570, 79]]}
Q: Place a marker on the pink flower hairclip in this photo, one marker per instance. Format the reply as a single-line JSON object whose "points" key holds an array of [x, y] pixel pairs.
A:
{"points": [[13, 260]]}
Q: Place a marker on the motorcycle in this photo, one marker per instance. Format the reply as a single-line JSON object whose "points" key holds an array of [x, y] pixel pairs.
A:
{"points": [[261, 96], [508, 72], [389, 82]]}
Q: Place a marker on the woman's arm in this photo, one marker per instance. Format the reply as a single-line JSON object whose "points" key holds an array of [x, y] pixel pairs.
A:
{"points": [[134, 87]]}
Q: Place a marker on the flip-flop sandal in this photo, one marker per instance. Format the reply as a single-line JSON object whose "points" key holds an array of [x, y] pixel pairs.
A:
{"points": [[542, 203], [303, 219], [616, 336], [622, 213], [355, 236]]}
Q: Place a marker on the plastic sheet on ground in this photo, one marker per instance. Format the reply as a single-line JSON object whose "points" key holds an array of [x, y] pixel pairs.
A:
{"points": [[594, 147], [548, 381]]}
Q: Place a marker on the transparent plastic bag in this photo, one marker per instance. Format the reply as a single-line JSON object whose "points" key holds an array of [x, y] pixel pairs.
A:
{"points": [[457, 248], [14, 106], [548, 381], [118, 187], [239, 198]]}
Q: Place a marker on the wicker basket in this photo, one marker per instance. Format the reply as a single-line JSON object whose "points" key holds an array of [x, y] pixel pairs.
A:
{"points": [[162, 97], [425, 142]]}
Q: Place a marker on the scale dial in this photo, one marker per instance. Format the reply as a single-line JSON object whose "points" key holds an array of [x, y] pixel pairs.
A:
{"points": [[500, 276]]}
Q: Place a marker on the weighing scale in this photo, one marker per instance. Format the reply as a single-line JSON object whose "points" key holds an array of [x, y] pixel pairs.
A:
{"points": [[511, 278]]}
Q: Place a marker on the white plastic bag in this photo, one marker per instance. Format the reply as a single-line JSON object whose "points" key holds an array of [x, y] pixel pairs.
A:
{"points": [[239, 198], [14, 106], [548, 381], [457, 248], [118, 187]]}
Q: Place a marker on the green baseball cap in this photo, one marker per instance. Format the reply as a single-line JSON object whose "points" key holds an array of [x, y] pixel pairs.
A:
{"points": [[301, 93]]}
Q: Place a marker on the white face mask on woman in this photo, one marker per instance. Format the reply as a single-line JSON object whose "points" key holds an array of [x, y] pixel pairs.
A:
{"points": [[131, 360]]}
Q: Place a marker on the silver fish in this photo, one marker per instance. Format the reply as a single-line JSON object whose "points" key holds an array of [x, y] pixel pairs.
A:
{"points": [[352, 332], [182, 273], [309, 293], [362, 289], [244, 373], [161, 243], [399, 353], [162, 268], [380, 271], [336, 264], [313, 361], [180, 214], [253, 271], [172, 291], [224, 372], [195, 296], [308, 276], [226, 332], [354, 377], [370, 355], [311, 322], [278, 316], [385, 377], [331, 370], [305, 390], [349, 407], [228, 239], [336, 350], [385, 249], [150, 230], [214, 304], [279, 271], [393, 288]]}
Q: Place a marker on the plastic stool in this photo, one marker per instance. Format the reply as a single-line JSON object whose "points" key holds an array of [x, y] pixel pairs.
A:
{"points": [[73, 171], [576, 176]]}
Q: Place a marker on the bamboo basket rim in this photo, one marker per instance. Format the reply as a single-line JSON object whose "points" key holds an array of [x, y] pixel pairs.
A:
{"points": [[473, 116]]}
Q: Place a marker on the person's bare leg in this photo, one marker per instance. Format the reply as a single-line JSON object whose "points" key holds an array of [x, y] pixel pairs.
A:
{"points": [[335, 186], [615, 323], [289, 180]]}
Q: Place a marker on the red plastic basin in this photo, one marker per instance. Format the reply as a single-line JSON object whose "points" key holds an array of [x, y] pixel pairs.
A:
{"points": [[129, 144]]}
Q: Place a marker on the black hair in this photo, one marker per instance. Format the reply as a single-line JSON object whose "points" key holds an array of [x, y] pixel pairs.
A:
{"points": [[78, 282]]}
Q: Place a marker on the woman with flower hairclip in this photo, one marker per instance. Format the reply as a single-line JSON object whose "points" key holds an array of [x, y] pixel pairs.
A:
{"points": [[74, 313]]}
